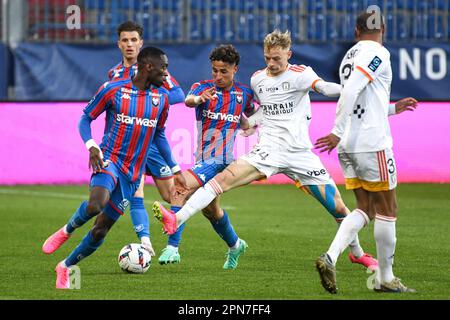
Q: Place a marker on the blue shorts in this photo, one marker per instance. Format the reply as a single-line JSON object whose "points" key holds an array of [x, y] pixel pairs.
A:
{"points": [[120, 188], [205, 171], [156, 166]]}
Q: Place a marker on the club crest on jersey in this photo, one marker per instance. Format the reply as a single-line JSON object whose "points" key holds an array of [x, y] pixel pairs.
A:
{"points": [[155, 101], [286, 86], [375, 63], [239, 98]]}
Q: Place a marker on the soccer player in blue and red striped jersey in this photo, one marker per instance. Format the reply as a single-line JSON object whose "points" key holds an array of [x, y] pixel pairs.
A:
{"points": [[136, 112], [219, 105], [164, 170]]}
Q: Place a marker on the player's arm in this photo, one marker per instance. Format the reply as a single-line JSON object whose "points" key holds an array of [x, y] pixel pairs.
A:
{"points": [[250, 124], [406, 104], [163, 146], [329, 89], [199, 94], [160, 139], [164, 149], [176, 94], [96, 106], [254, 119]]}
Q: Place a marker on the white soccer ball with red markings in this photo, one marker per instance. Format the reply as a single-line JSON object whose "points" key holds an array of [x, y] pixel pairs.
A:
{"points": [[134, 258]]}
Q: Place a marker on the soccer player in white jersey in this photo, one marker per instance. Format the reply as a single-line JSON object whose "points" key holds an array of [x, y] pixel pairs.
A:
{"points": [[284, 146], [362, 134]]}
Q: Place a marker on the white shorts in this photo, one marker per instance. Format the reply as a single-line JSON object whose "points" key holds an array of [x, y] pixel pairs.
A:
{"points": [[304, 167], [372, 171]]}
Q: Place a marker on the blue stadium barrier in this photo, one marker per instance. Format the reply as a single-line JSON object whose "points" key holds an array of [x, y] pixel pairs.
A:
{"points": [[76, 71]]}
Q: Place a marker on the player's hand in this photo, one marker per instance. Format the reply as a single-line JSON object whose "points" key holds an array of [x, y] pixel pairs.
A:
{"points": [[406, 104], [327, 143], [95, 160], [248, 132], [209, 94]]}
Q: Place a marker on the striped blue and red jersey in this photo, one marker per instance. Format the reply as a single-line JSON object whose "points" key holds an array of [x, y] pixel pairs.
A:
{"points": [[218, 120], [132, 118], [119, 72]]}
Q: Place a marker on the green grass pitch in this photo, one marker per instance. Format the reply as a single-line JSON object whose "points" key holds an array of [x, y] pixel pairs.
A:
{"points": [[286, 231]]}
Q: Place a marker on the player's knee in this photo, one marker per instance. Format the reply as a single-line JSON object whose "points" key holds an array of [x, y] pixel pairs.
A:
{"points": [[213, 214], [208, 214], [393, 209], [341, 208], [94, 208], [364, 206], [223, 180], [99, 232]]}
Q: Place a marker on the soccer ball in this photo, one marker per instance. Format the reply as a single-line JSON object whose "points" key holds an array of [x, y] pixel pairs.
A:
{"points": [[134, 258]]}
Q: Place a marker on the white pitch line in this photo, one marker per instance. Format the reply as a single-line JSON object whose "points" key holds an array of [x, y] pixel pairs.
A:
{"points": [[67, 196]]}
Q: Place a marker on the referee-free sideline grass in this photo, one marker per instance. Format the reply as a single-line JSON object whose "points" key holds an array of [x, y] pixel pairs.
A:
{"points": [[286, 230]]}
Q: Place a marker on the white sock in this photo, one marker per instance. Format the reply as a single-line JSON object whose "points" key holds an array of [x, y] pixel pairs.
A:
{"points": [[355, 247], [65, 229], [198, 201], [172, 247], [384, 233], [146, 240], [236, 245], [347, 232]]}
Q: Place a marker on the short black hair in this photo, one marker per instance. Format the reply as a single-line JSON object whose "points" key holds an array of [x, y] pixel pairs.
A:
{"points": [[130, 26], [363, 26], [226, 53], [149, 53]]}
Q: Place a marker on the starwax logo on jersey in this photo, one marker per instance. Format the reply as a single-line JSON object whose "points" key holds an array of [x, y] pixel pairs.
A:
{"points": [[137, 121], [220, 116]]}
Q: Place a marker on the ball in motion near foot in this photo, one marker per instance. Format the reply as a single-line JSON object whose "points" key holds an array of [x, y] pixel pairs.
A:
{"points": [[134, 258]]}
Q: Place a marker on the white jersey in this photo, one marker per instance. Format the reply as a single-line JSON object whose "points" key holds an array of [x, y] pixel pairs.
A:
{"points": [[286, 107], [367, 128]]}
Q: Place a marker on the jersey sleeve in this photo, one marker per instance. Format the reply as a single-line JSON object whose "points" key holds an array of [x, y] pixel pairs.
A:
{"points": [[164, 113], [170, 82], [253, 87], [249, 108], [371, 63], [307, 79], [100, 102], [197, 89]]}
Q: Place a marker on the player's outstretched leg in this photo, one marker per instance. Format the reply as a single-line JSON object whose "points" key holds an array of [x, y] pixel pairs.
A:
{"points": [[57, 239], [327, 273]]}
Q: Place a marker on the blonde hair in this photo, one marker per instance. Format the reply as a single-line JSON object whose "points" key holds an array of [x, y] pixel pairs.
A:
{"points": [[278, 39]]}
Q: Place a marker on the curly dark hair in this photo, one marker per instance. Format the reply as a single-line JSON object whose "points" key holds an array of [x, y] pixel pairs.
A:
{"points": [[130, 26], [226, 53]]}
